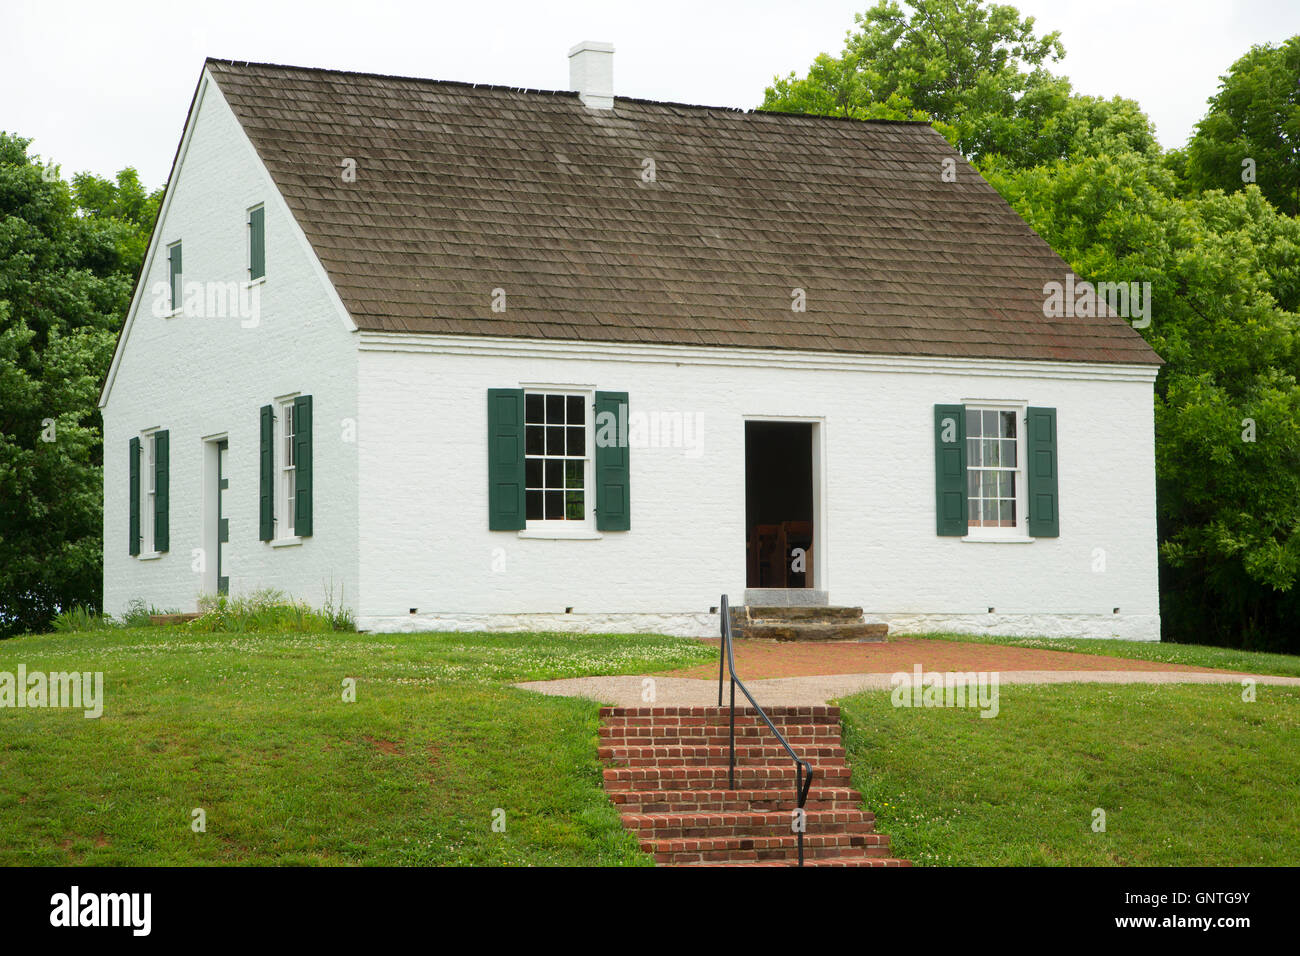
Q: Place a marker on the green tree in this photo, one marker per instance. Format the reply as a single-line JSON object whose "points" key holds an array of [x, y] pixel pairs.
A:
{"points": [[1254, 119], [1225, 275], [68, 261], [976, 70]]}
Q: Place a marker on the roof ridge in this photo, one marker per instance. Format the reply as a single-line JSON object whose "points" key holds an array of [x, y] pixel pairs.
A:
{"points": [[503, 88]]}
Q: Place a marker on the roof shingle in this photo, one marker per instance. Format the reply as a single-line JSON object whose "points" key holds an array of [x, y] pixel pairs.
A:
{"points": [[463, 189]]}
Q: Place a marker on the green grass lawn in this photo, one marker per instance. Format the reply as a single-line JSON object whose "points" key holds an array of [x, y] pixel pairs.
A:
{"points": [[1188, 775], [253, 729], [1196, 655]]}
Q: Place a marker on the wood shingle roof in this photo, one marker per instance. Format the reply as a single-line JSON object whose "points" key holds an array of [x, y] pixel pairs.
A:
{"points": [[461, 190]]}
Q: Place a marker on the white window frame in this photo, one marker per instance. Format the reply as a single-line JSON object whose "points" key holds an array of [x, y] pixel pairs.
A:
{"points": [[565, 527], [1020, 531], [286, 472], [283, 474], [148, 493]]}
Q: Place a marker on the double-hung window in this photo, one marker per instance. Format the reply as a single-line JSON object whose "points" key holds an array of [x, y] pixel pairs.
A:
{"points": [[288, 470], [994, 470], [147, 506], [557, 459]]}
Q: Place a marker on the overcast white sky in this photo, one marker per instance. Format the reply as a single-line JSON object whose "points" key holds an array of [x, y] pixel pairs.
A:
{"points": [[102, 85]]}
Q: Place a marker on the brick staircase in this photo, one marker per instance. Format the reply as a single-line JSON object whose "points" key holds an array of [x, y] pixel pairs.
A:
{"points": [[667, 776], [805, 623]]}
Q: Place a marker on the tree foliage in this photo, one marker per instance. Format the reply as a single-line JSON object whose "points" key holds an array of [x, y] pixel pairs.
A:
{"points": [[1253, 119], [1224, 267], [68, 259]]}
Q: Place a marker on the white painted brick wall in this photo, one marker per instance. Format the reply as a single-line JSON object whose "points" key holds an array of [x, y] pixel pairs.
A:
{"points": [[425, 543], [198, 377]]}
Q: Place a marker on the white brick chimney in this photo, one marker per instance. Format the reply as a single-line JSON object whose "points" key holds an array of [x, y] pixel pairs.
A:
{"points": [[591, 73]]}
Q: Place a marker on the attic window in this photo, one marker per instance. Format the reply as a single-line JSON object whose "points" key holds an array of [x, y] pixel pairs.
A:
{"points": [[256, 243]]}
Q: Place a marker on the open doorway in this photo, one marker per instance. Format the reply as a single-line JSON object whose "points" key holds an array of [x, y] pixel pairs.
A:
{"points": [[779, 533]]}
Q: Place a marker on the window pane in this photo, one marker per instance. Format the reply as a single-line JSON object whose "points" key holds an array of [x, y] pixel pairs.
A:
{"points": [[973, 510], [534, 505], [973, 483], [1008, 424], [1008, 452], [575, 411], [554, 505], [554, 440], [990, 452], [990, 510], [532, 472], [535, 440], [1007, 513], [989, 424], [577, 441], [573, 474], [554, 473], [555, 409], [534, 408], [973, 453], [972, 424], [573, 505]]}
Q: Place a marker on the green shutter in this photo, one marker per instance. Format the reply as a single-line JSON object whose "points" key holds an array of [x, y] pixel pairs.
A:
{"points": [[257, 243], [160, 455], [1044, 500], [950, 469], [303, 466], [266, 480], [506, 459], [613, 497], [134, 487], [174, 277]]}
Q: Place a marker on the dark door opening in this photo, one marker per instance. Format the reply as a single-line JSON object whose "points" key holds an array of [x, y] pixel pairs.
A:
{"points": [[779, 504]]}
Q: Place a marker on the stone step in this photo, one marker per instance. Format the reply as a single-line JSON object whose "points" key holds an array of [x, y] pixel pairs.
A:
{"points": [[769, 597], [815, 631], [759, 612]]}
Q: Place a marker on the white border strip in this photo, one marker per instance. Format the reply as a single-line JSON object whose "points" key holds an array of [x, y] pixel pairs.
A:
{"points": [[503, 346]]}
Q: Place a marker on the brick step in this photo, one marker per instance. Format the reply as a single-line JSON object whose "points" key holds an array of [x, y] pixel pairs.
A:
{"points": [[718, 801], [720, 738], [761, 777], [847, 859], [754, 849], [748, 755], [652, 734], [816, 631], [668, 826], [659, 716]]}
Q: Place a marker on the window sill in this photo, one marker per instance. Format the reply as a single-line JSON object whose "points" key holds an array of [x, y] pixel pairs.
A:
{"points": [[286, 542], [150, 556], [560, 534], [999, 538], [249, 283]]}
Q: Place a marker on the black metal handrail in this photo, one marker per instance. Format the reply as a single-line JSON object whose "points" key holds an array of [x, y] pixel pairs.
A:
{"points": [[803, 769]]}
